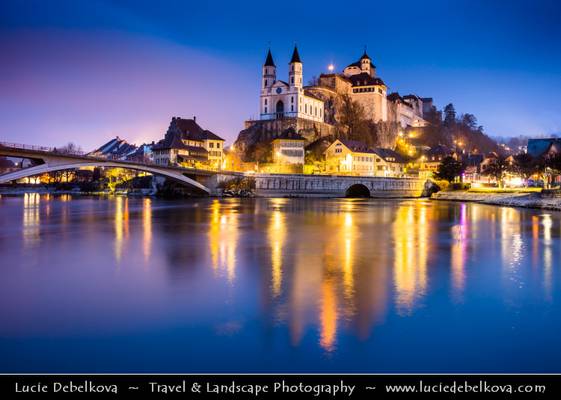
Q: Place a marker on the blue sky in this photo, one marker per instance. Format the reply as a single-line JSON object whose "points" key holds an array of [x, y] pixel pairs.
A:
{"points": [[85, 71]]}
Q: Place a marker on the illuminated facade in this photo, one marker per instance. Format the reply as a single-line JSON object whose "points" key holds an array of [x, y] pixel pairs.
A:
{"points": [[280, 99], [187, 144], [367, 89], [288, 148], [355, 158], [349, 157], [409, 110]]}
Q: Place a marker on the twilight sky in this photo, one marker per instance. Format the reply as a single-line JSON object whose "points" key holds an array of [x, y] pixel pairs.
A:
{"points": [[86, 71]]}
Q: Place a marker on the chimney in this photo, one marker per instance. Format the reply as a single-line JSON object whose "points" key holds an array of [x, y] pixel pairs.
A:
{"points": [[195, 118]]}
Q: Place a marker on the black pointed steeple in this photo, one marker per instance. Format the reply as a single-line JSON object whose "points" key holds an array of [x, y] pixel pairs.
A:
{"points": [[295, 56], [365, 55], [269, 61]]}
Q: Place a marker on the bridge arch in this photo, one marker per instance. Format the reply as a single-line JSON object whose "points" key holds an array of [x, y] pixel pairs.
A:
{"points": [[44, 168], [357, 190]]}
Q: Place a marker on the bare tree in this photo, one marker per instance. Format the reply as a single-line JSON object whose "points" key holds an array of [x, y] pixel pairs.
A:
{"points": [[70, 148]]}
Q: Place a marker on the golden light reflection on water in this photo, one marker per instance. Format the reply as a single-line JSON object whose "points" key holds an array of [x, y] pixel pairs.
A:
{"points": [[328, 315], [459, 252], [535, 240], [335, 270], [348, 238], [547, 223], [121, 225], [31, 218], [411, 246], [277, 233], [511, 240], [223, 237], [147, 228]]}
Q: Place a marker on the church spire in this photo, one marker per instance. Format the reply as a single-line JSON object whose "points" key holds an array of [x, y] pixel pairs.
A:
{"points": [[295, 56], [269, 60], [295, 77], [365, 55]]}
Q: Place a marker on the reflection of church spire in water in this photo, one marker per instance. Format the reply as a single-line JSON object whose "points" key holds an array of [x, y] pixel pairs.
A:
{"points": [[277, 233]]}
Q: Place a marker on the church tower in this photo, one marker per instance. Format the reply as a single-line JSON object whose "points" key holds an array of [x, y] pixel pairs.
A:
{"points": [[269, 72], [366, 64], [295, 70]]}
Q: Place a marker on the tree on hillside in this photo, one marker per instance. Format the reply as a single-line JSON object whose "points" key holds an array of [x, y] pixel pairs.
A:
{"points": [[261, 152], [553, 162], [449, 115], [314, 81], [524, 165], [386, 134], [449, 169], [355, 124], [469, 121], [497, 169]]}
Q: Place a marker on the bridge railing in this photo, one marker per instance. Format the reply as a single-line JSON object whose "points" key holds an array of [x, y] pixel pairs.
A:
{"points": [[47, 149], [89, 155]]}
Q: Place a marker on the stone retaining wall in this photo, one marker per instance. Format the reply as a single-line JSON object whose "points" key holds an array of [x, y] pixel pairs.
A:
{"points": [[278, 185]]}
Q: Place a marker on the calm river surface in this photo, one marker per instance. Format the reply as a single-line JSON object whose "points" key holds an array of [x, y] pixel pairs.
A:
{"points": [[234, 285]]}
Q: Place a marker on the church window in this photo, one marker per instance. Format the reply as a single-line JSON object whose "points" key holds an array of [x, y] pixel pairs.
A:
{"points": [[265, 101], [292, 99], [291, 108], [265, 110], [292, 80], [265, 82]]}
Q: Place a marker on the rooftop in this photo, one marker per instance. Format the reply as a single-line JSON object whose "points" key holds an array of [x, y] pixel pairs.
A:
{"points": [[364, 79]]}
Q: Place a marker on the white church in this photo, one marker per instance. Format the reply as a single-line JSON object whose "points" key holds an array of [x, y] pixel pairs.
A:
{"points": [[280, 99]]}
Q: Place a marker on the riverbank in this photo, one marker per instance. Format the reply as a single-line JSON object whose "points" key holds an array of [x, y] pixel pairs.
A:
{"points": [[42, 190], [510, 199]]}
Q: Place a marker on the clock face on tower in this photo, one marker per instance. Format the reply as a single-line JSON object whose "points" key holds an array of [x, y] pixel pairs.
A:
{"points": [[279, 90]]}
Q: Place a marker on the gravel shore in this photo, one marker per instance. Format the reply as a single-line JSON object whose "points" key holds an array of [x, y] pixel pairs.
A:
{"points": [[526, 200]]}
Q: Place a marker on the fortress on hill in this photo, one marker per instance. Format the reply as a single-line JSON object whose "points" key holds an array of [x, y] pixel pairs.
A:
{"points": [[311, 110]]}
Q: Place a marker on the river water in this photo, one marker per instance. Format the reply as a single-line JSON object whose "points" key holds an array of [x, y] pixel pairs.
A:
{"points": [[253, 285]]}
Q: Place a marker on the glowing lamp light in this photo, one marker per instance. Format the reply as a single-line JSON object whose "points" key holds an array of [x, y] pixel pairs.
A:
{"points": [[331, 67]]}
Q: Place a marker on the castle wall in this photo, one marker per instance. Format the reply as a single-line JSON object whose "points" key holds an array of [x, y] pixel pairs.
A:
{"points": [[374, 104]]}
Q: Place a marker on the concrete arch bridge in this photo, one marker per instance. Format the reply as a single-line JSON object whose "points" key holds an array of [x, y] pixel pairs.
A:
{"points": [[49, 160]]}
